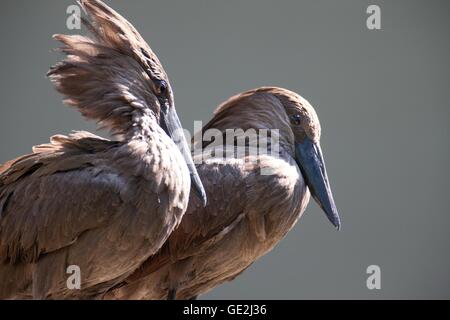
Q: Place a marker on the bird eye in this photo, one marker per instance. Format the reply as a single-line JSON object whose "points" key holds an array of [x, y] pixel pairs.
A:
{"points": [[296, 119], [161, 87]]}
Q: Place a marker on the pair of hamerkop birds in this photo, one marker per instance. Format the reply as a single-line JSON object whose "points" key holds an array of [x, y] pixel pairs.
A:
{"points": [[121, 210]]}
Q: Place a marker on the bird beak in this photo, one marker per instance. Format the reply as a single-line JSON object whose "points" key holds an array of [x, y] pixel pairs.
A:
{"points": [[310, 160], [171, 124]]}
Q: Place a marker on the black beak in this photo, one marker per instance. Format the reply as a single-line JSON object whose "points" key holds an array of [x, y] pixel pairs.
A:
{"points": [[310, 160], [171, 124]]}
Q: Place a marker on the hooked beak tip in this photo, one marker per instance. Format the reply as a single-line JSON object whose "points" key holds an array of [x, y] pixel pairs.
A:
{"points": [[337, 225], [331, 212], [199, 189], [332, 216], [204, 199]]}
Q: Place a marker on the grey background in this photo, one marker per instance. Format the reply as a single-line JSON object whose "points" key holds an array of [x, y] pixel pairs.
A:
{"points": [[382, 98]]}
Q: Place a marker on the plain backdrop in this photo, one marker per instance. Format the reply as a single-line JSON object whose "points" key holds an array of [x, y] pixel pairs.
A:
{"points": [[382, 97]]}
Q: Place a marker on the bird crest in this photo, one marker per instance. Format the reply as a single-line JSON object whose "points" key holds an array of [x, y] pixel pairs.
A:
{"points": [[111, 75]]}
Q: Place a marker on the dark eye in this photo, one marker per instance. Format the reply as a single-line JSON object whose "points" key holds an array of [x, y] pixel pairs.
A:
{"points": [[161, 87], [296, 119]]}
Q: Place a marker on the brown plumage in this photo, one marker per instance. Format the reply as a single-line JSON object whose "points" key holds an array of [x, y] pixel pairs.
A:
{"points": [[248, 213], [105, 206]]}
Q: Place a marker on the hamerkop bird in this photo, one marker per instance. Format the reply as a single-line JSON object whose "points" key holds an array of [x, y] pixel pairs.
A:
{"points": [[98, 205], [252, 204]]}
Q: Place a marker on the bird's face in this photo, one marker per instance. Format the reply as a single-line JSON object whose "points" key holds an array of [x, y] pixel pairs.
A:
{"points": [[164, 109], [306, 130]]}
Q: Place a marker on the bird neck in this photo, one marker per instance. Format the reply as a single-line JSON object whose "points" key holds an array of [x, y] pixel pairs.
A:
{"points": [[147, 141], [145, 127]]}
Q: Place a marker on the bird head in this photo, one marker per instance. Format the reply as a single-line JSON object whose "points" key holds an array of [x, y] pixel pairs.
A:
{"points": [[305, 127], [299, 134], [165, 112], [163, 108]]}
